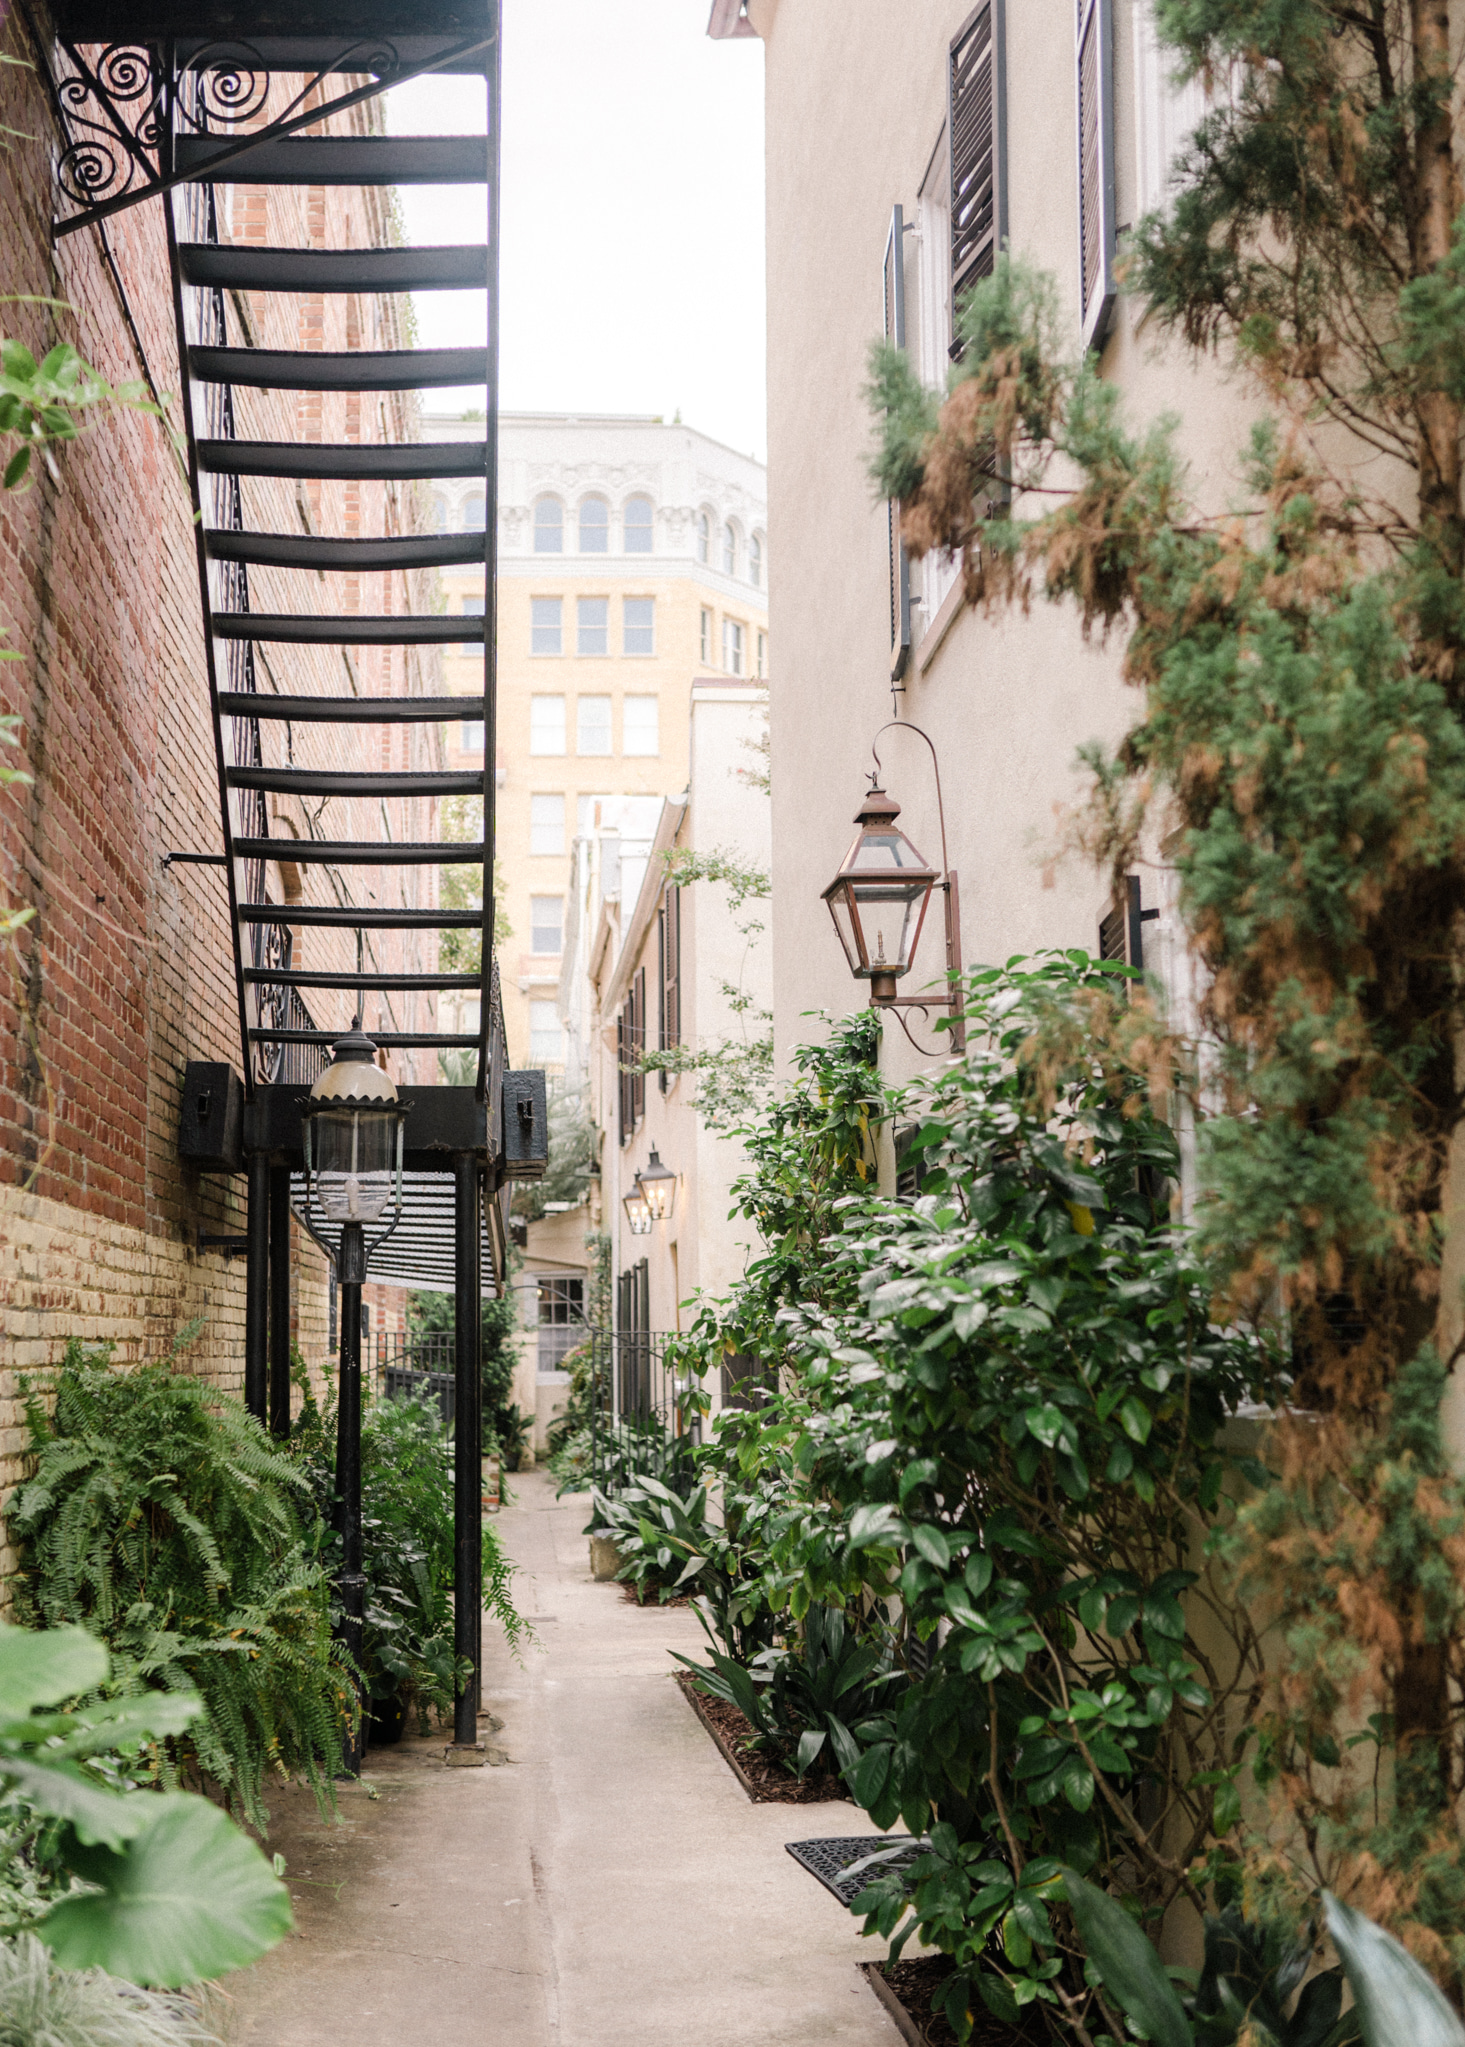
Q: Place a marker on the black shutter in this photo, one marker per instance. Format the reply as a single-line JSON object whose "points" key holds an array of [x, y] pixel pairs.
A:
{"points": [[638, 1046], [669, 951], [893, 286], [977, 128], [1095, 168], [1122, 931]]}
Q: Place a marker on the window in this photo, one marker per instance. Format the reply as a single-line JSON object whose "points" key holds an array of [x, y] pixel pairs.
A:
{"points": [[546, 724], [561, 1318], [640, 726], [706, 638], [669, 953], [549, 527], [732, 646], [470, 735], [638, 625], [544, 625], [636, 527], [546, 1039], [704, 537], [592, 725], [977, 126], [546, 824], [546, 924], [892, 282], [729, 550], [1166, 115], [473, 608], [1095, 169], [762, 657], [473, 515], [630, 1044], [592, 625], [594, 526], [439, 515], [755, 562]]}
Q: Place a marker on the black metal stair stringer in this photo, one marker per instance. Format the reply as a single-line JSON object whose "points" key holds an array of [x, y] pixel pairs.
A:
{"points": [[275, 1024]]}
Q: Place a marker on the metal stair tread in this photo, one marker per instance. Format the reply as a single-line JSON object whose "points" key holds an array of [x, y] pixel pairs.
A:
{"points": [[324, 551], [368, 461], [247, 266], [346, 710], [341, 160], [358, 781], [301, 977], [350, 629], [386, 1040], [363, 369], [364, 852], [355, 917]]}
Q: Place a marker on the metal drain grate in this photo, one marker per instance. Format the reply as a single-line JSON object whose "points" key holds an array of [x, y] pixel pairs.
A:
{"points": [[828, 1860]]}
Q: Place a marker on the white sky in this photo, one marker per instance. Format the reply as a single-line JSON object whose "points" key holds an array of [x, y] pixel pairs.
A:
{"points": [[632, 214]]}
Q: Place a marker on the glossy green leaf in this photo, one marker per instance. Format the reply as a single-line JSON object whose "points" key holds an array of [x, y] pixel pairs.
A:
{"points": [[1128, 1965], [1399, 2005], [189, 1898], [47, 1666]]}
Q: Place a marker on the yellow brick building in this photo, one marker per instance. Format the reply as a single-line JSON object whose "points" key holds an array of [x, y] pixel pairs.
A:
{"points": [[633, 559]]}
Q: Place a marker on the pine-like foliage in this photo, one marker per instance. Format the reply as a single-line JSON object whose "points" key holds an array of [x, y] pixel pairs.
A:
{"points": [[162, 1516], [1301, 747]]}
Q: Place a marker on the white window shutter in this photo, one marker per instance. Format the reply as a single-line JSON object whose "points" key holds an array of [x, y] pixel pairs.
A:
{"points": [[1095, 73]]}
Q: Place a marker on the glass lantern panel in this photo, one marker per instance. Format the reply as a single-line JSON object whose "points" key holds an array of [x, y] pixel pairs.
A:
{"points": [[355, 1155], [839, 909], [877, 852], [658, 1197], [638, 1215], [890, 920]]}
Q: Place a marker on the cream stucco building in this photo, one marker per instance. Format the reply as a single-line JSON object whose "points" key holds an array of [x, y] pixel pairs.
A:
{"points": [[882, 207], [633, 556]]}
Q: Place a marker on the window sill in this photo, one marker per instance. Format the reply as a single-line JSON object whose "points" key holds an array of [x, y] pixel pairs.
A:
{"points": [[929, 644]]}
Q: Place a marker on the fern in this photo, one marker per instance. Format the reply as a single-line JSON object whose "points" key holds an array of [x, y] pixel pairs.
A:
{"points": [[164, 1518]]}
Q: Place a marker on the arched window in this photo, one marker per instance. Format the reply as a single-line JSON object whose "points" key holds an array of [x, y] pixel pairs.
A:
{"points": [[755, 562], [549, 527], [473, 515], [636, 526], [594, 526], [439, 515], [704, 537], [729, 550]]}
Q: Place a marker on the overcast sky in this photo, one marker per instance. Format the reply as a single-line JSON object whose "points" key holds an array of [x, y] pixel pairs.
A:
{"points": [[632, 213]]}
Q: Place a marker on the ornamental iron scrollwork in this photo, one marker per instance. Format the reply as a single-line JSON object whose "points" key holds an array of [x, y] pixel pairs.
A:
{"points": [[117, 110]]}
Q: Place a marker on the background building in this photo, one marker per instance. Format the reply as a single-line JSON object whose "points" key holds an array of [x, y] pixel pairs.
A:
{"points": [[633, 555]]}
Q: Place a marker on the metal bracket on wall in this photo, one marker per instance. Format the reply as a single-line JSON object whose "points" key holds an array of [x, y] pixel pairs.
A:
{"points": [[232, 1247]]}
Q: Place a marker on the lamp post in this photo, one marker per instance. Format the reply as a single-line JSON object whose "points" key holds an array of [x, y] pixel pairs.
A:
{"points": [[352, 1124], [879, 898]]}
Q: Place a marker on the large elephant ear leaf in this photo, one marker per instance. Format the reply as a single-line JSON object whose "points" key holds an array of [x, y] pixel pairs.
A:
{"points": [[45, 1666], [1399, 2005], [1129, 1966], [191, 1897]]}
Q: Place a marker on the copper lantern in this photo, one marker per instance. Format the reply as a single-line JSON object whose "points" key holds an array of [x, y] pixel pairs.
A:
{"points": [[878, 898]]}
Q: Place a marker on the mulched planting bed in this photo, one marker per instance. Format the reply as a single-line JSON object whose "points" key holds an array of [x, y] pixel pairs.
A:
{"points": [[628, 1592], [764, 1781], [915, 1983]]}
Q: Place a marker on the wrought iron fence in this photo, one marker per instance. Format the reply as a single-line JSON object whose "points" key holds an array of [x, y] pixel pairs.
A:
{"points": [[412, 1368], [641, 1415]]}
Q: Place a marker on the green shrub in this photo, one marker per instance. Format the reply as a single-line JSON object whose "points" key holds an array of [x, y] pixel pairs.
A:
{"points": [[163, 1517]]}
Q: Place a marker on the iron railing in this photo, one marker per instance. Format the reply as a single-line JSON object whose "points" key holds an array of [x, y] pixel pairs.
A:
{"points": [[399, 1367], [642, 1416]]}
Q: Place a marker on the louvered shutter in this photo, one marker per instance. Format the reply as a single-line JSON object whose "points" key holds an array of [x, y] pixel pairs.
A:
{"points": [[977, 127], [1122, 931], [638, 1046], [1095, 168], [893, 286], [669, 1035]]}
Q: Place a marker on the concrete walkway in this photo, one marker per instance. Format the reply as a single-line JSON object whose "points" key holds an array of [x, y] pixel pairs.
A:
{"points": [[608, 1886]]}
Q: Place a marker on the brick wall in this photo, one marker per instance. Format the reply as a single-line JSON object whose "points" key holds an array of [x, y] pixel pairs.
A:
{"points": [[125, 971]]}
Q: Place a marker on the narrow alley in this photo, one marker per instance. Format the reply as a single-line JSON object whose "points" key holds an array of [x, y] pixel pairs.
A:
{"points": [[608, 1883]]}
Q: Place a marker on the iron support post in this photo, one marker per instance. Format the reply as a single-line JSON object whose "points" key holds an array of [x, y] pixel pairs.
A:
{"points": [[467, 1465], [279, 1301], [351, 1585], [257, 1287]]}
